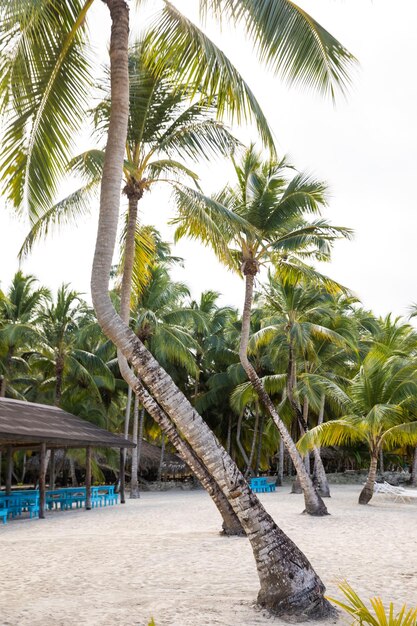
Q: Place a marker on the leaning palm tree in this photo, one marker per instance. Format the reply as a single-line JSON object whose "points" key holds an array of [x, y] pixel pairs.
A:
{"points": [[272, 209], [381, 412], [304, 50], [297, 321]]}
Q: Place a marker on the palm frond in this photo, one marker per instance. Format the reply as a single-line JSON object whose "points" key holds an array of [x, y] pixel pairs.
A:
{"points": [[196, 61], [46, 76], [66, 212]]}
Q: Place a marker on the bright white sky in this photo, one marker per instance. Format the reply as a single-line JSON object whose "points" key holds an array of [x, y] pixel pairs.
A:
{"points": [[364, 147]]}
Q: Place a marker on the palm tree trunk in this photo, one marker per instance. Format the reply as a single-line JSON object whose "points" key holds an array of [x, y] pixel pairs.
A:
{"points": [[368, 490], [140, 437], [239, 443], [414, 470], [127, 419], [319, 471], [249, 469], [259, 451], [289, 585], [381, 461], [229, 434], [161, 458], [280, 470], [303, 430], [313, 503], [59, 372], [231, 524], [74, 481], [134, 487]]}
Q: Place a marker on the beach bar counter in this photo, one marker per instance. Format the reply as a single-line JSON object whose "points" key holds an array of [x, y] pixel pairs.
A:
{"points": [[42, 428]]}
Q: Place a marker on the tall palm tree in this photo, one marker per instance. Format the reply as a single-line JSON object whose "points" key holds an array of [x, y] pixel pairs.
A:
{"points": [[298, 322], [267, 540], [273, 207], [319, 60], [380, 413], [19, 310]]}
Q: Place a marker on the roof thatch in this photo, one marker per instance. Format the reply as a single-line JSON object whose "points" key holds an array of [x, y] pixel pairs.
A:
{"points": [[150, 457], [27, 424]]}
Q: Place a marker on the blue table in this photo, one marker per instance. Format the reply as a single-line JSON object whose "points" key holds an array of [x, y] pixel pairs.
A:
{"points": [[261, 485]]}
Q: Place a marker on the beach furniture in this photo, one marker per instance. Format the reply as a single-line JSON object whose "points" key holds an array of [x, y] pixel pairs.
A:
{"points": [[398, 493], [19, 502], [261, 485], [65, 498], [4, 511]]}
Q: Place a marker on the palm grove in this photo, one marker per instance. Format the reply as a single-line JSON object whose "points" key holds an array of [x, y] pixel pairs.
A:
{"points": [[303, 359]]}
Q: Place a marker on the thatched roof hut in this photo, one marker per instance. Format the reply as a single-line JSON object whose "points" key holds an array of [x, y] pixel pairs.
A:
{"points": [[150, 457]]}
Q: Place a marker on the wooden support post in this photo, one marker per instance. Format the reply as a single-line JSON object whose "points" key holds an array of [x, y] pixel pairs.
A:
{"points": [[88, 478], [122, 475], [52, 470], [42, 472], [9, 469]]}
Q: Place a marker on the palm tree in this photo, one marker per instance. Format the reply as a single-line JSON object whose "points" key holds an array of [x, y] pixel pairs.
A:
{"points": [[19, 310], [165, 127], [274, 565], [298, 320], [319, 60], [273, 207], [380, 412], [47, 75]]}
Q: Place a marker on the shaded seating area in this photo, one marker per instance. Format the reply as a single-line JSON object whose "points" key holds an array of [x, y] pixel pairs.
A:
{"points": [[45, 429]]}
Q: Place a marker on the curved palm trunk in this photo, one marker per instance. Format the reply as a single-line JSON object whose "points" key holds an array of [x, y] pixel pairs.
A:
{"points": [[231, 525], [313, 503], [134, 486], [289, 585], [320, 473], [368, 490], [414, 470]]}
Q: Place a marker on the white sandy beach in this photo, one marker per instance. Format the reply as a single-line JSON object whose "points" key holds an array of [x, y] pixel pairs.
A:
{"points": [[162, 557]]}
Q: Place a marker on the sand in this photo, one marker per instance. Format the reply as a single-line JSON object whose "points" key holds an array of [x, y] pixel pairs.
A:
{"points": [[162, 557]]}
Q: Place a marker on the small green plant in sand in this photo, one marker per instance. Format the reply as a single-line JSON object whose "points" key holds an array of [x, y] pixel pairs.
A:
{"points": [[380, 616], [152, 623]]}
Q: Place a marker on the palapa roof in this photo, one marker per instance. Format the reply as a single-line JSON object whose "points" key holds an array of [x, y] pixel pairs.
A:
{"points": [[27, 424], [150, 457]]}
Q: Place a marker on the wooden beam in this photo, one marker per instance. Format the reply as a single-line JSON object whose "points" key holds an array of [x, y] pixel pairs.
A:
{"points": [[88, 478], [42, 490], [122, 475], [9, 469], [52, 470]]}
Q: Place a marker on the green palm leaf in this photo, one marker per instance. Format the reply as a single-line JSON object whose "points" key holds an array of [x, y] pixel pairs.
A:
{"points": [[45, 81], [196, 61]]}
